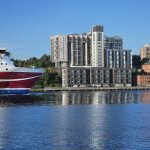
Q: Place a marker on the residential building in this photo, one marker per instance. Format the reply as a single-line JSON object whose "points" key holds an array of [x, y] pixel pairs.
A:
{"points": [[96, 77], [145, 52], [88, 76], [118, 58], [136, 63], [71, 50], [122, 76], [79, 47], [97, 46], [114, 42], [92, 59], [59, 50], [146, 67], [143, 79]]}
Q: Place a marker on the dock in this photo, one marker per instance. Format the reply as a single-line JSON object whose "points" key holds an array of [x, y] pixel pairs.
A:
{"points": [[95, 88]]}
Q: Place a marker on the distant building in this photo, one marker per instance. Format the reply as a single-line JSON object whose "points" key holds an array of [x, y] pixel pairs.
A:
{"points": [[115, 42], [79, 50], [143, 79], [145, 51], [118, 58], [97, 46], [92, 59], [122, 76], [71, 50], [136, 61], [59, 50], [88, 49], [96, 77], [134, 78], [146, 67]]}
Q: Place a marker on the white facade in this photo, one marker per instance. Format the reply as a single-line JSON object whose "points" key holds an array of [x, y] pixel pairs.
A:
{"points": [[79, 50], [59, 50], [97, 46]]}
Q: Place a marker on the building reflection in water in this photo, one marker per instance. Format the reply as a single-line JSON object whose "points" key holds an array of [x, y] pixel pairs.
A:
{"points": [[99, 97], [145, 96], [95, 126], [3, 124], [80, 126]]}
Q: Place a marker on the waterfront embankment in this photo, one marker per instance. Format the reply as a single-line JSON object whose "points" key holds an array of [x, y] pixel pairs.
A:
{"points": [[95, 88]]}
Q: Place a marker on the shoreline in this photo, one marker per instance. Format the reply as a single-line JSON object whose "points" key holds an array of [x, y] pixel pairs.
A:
{"points": [[46, 89]]}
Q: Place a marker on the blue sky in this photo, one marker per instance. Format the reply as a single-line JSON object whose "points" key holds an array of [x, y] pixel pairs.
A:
{"points": [[26, 25]]}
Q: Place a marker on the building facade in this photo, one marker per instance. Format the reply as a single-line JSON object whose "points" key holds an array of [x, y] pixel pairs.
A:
{"points": [[118, 58], [97, 46], [145, 52], [136, 63], [79, 48], [122, 77], [143, 79], [59, 50], [92, 59], [115, 42], [96, 77]]}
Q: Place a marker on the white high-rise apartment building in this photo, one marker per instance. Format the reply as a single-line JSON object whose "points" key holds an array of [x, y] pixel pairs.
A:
{"points": [[97, 46], [92, 59], [59, 50], [79, 48], [71, 50], [90, 49]]}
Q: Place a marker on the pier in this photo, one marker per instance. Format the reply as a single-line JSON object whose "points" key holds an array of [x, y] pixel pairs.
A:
{"points": [[95, 88]]}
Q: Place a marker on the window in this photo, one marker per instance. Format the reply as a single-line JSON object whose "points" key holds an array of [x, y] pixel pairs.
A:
{"points": [[99, 37]]}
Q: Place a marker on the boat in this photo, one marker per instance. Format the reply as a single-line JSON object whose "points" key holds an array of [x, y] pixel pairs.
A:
{"points": [[16, 80]]}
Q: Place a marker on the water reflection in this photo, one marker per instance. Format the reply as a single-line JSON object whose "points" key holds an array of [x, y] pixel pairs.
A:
{"points": [[99, 97], [3, 124], [88, 127], [145, 96]]}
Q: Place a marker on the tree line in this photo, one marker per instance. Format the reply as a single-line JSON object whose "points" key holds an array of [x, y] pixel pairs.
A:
{"points": [[51, 76]]}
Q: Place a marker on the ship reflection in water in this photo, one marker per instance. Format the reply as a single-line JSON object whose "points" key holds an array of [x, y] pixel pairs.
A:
{"points": [[99, 97]]}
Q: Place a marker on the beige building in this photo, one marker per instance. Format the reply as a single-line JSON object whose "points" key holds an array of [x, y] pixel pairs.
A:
{"points": [[59, 50], [71, 50], [145, 51]]}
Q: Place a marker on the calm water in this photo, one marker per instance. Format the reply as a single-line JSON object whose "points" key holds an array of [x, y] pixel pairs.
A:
{"points": [[79, 121]]}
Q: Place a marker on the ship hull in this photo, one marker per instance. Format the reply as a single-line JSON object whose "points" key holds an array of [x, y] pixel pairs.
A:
{"points": [[14, 91], [16, 80], [17, 83]]}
